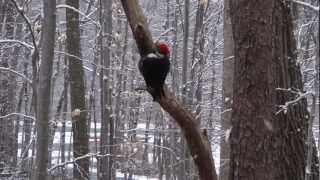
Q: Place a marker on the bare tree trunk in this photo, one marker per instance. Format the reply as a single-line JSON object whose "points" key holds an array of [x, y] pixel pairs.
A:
{"points": [[185, 52], [317, 84], [197, 65], [8, 143], [173, 172], [227, 92], [64, 120], [197, 58], [13, 89], [27, 124], [44, 90], [77, 93], [267, 142], [305, 44], [184, 170], [93, 98], [107, 125]]}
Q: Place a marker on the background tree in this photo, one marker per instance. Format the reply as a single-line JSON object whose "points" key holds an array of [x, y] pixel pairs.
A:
{"points": [[227, 92], [8, 142], [44, 90], [107, 121], [77, 92]]}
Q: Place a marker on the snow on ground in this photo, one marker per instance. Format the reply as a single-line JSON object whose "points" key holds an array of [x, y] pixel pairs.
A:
{"points": [[141, 127]]}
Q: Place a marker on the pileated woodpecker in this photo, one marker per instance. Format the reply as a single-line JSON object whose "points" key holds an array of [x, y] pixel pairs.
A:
{"points": [[154, 68]]}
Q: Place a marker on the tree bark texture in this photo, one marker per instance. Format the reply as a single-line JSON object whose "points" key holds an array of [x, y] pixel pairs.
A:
{"points": [[107, 121], [227, 92], [77, 92], [44, 90], [267, 141]]}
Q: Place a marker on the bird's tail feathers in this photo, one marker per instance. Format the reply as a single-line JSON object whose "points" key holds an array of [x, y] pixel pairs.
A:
{"points": [[157, 93]]}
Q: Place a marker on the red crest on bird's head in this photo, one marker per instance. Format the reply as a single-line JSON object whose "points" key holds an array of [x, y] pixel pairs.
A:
{"points": [[163, 48]]}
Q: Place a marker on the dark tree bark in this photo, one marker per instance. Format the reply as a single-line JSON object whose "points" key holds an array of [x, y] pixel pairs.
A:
{"points": [[267, 142], [77, 92], [44, 90]]}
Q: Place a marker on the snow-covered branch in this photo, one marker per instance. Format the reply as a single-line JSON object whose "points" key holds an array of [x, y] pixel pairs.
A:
{"points": [[74, 161], [18, 114], [307, 5], [81, 13], [35, 53], [27, 45], [17, 73], [80, 59], [27, 20], [300, 96]]}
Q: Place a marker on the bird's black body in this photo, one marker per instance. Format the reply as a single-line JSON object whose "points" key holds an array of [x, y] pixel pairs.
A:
{"points": [[154, 68]]}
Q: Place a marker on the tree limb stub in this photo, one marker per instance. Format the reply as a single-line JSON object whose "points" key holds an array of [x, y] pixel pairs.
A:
{"points": [[198, 145]]}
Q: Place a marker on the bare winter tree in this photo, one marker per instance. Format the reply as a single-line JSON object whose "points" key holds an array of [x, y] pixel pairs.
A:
{"points": [[77, 92], [227, 92], [268, 130], [7, 89], [107, 121], [197, 143], [44, 90]]}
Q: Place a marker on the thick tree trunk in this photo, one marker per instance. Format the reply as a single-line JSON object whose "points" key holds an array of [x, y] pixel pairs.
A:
{"points": [[267, 142], [77, 92]]}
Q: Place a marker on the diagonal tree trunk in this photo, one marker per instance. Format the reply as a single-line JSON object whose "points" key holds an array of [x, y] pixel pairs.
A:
{"points": [[197, 142]]}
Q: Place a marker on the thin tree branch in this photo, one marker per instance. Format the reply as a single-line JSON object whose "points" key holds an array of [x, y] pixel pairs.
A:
{"points": [[81, 13], [74, 161], [307, 5], [18, 114], [27, 20], [34, 55], [17, 73], [27, 45], [300, 96]]}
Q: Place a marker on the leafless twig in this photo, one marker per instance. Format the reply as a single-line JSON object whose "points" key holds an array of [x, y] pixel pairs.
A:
{"points": [[17, 73]]}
